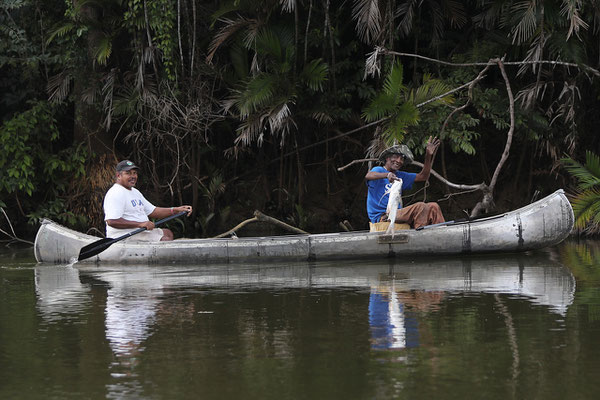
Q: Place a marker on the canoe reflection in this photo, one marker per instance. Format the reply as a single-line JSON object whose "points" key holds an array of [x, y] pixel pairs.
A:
{"points": [[60, 293], [397, 289]]}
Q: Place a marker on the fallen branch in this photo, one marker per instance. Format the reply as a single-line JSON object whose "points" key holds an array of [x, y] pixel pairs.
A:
{"points": [[260, 217], [235, 228], [265, 218], [14, 235]]}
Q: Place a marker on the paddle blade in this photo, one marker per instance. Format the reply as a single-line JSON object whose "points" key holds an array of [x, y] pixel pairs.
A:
{"points": [[95, 248]]}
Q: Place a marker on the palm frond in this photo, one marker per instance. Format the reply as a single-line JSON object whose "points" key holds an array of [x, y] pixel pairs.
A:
{"points": [[322, 117], [251, 130], [393, 84], [525, 11], [407, 11], [592, 163], [455, 13], [103, 50], [437, 22], [314, 74], [225, 9], [259, 91], [586, 208], [288, 5], [267, 43], [252, 31], [373, 63], [431, 89], [126, 103], [559, 48], [571, 9], [239, 60], [107, 92], [490, 15], [406, 115], [230, 28], [534, 53], [586, 178], [279, 119], [383, 105], [367, 15], [61, 31], [59, 86]]}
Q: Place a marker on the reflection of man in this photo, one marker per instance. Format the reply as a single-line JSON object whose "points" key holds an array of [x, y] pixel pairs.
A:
{"points": [[393, 316], [130, 315], [391, 327]]}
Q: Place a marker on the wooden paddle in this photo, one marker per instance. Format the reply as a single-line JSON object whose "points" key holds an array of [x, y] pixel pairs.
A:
{"points": [[99, 246]]}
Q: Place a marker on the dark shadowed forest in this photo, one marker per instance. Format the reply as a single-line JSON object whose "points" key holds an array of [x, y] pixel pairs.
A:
{"points": [[236, 106]]}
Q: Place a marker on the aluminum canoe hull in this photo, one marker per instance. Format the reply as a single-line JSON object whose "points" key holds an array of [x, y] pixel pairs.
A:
{"points": [[544, 223]]}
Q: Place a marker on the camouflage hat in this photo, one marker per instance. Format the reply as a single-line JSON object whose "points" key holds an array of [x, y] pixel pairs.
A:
{"points": [[401, 149]]}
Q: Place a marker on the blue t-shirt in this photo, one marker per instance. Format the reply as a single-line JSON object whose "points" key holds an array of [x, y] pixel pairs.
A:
{"points": [[377, 199]]}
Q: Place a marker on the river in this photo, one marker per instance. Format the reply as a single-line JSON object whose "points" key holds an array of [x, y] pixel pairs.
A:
{"points": [[495, 327]]}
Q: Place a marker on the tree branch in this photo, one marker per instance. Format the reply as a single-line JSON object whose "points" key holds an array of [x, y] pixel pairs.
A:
{"points": [[14, 235], [480, 186], [491, 62], [260, 217]]}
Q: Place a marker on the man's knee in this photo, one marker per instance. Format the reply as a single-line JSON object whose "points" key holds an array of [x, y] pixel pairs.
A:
{"points": [[435, 206], [167, 235], [419, 206]]}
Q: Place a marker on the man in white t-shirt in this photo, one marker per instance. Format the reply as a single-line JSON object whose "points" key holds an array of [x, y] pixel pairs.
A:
{"points": [[126, 209]]}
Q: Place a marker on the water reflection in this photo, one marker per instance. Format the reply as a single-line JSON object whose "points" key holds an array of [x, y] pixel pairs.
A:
{"points": [[404, 290], [397, 328], [397, 291], [131, 306], [60, 293]]}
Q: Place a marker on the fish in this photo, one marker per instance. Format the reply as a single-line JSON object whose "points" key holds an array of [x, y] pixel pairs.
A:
{"points": [[395, 201]]}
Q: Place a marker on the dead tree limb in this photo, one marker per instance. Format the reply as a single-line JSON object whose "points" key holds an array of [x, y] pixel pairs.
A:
{"points": [[584, 67], [265, 218], [487, 203], [12, 235], [237, 227], [260, 217], [479, 186]]}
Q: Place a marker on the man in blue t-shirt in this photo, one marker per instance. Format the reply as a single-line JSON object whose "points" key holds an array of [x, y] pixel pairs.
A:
{"points": [[380, 178]]}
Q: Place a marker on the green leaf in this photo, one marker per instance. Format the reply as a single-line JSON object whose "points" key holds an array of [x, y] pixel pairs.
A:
{"points": [[587, 179], [103, 50], [393, 84], [61, 31], [314, 74], [383, 105], [257, 93]]}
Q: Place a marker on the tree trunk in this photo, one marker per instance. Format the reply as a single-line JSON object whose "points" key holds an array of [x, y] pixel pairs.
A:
{"points": [[88, 126]]}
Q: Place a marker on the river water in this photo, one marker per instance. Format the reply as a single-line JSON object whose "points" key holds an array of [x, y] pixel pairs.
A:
{"points": [[495, 327]]}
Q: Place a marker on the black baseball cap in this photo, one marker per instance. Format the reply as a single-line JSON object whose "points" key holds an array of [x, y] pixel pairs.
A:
{"points": [[126, 165]]}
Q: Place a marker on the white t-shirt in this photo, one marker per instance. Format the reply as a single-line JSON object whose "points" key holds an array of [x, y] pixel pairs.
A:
{"points": [[127, 204]]}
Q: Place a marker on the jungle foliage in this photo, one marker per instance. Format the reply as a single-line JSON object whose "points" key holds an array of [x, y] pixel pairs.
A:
{"points": [[238, 105]]}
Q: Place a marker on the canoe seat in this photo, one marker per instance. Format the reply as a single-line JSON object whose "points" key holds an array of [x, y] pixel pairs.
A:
{"points": [[382, 226]]}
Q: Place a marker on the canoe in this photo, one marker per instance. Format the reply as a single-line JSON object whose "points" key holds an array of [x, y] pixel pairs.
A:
{"points": [[544, 223]]}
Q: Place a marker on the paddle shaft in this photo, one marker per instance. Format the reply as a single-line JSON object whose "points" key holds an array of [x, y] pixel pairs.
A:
{"points": [[99, 246], [157, 223]]}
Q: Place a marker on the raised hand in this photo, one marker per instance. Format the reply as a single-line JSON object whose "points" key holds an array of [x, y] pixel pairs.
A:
{"points": [[432, 146]]}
